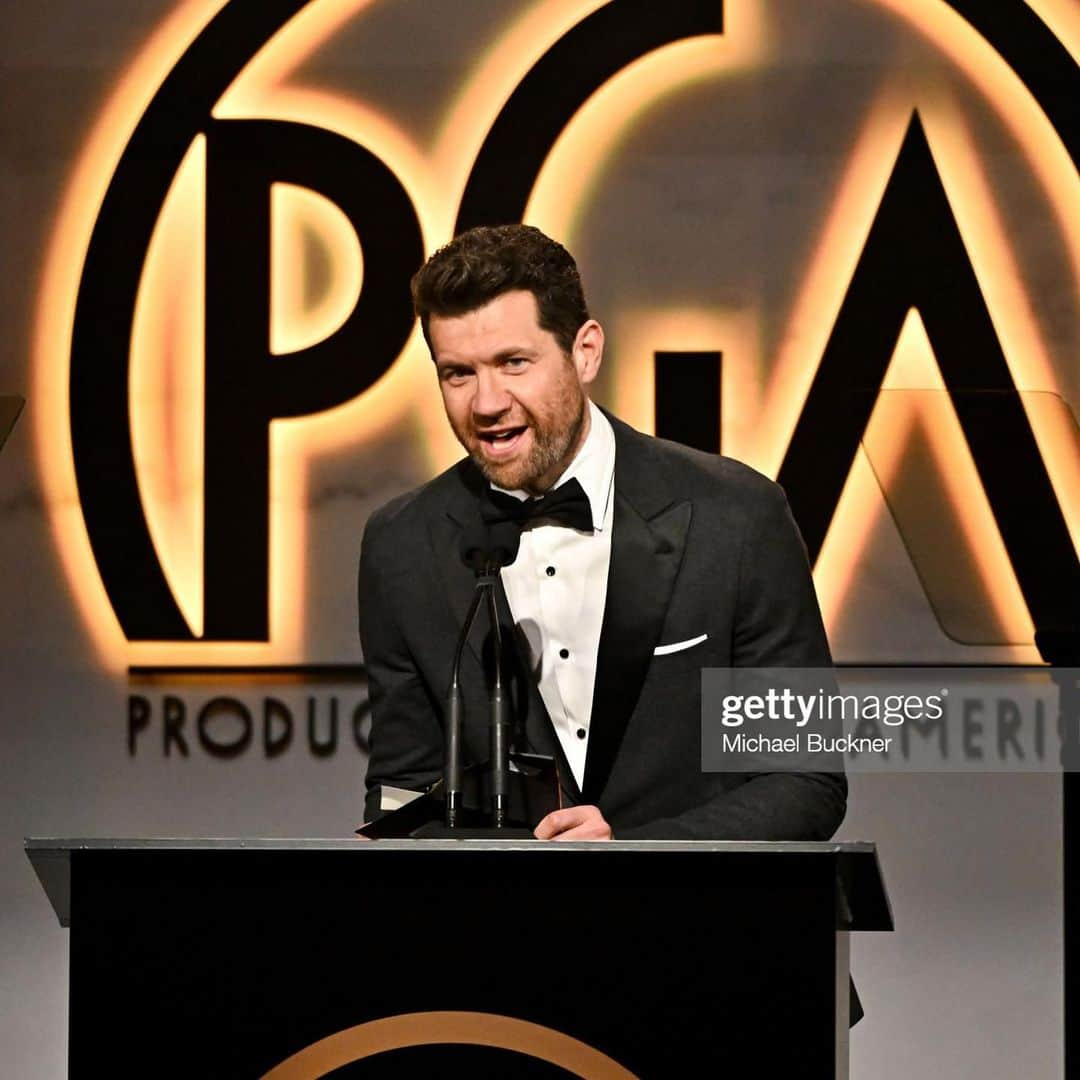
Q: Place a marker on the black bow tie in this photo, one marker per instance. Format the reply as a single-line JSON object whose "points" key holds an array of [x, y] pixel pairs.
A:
{"points": [[567, 504]]}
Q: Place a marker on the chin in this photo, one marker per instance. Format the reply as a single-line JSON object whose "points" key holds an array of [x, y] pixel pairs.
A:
{"points": [[512, 475]]}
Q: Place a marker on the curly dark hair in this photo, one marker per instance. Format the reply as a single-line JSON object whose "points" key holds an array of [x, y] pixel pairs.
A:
{"points": [[485, 262]]}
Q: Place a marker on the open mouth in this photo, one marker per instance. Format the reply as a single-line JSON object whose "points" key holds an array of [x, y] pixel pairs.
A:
{"points": [[503, 442]]}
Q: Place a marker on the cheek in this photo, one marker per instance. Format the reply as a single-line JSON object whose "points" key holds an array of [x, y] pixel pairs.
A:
{"points": [[456, 405], [540, 401]]}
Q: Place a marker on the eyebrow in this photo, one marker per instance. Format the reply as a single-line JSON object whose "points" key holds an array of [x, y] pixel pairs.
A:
{"points": [[520, 350], [502, 354]]}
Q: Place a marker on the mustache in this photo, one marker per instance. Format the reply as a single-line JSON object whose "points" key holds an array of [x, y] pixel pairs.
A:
{"points": [[502, 424]]}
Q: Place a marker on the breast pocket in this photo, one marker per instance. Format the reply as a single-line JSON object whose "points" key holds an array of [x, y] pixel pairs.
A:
{"points": [[671, 647]]}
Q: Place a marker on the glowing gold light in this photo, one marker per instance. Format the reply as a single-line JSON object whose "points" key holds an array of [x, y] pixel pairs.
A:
{"points": [[166, 294], [518, 46], [639, 334], [1057, 435], [575, 167], [305, 226], [914, 369], [1021, 113], [1008, 301], [448, 1029], [759, 415], [392, 402], [166, 383], [1063, 18], [831, 269], [55, 312]]}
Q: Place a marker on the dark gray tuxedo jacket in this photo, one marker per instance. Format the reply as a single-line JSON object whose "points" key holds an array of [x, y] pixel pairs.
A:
{"points": [[700, 545]]}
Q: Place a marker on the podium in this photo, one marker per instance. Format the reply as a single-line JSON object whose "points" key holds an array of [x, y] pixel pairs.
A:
{"points": [[295, 958]]}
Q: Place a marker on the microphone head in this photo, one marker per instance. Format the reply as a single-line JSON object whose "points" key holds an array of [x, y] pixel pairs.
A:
{"points": [[474, 546], [487, 548], [505, 539]]}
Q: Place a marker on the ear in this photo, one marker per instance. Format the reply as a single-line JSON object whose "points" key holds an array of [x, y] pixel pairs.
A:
{"points": [[588, 351]]}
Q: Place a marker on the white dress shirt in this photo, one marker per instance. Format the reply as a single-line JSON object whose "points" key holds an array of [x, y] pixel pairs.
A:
{"points": [[556, 589]]}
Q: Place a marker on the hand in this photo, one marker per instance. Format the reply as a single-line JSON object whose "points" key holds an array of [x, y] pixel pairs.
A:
{"points": [[574, 823]]}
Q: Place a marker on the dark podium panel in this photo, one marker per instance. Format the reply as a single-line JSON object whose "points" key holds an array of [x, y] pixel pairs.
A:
{"points": [[225, 958]]}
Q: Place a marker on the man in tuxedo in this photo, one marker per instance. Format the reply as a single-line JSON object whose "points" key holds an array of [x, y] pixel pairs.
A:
{"points": [[641, 562]]}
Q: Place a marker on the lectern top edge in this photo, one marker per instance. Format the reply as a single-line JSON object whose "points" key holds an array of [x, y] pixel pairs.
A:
{"points": [[856, 864], [224, 843]]}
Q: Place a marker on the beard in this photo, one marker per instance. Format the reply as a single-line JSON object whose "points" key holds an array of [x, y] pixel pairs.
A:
{"points": [[555, 438]]}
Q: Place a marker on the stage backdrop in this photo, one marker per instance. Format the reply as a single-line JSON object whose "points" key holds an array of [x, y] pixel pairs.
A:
{"points": [[210, 214]]}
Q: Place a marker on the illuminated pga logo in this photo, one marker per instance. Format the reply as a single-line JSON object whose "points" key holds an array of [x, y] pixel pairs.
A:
{"points": [[912, 256]]}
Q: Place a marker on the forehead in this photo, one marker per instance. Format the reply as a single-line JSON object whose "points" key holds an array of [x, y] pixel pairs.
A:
{"points": [[509, 322]]}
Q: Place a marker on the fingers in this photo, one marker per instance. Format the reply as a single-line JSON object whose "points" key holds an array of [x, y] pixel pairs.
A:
{"points": [[558, 821], [574, 823], [586, 831]]}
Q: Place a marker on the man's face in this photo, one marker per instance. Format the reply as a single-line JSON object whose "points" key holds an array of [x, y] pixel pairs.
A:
{"points": [[515, 400]]}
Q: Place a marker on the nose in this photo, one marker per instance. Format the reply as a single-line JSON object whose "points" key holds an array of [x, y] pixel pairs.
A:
{"points": [[492, 399]]}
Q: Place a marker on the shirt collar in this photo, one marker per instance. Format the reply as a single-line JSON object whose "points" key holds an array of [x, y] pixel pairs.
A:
{"points": [[593, 466]]}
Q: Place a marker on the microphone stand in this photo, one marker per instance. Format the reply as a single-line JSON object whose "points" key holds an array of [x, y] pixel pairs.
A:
{"points": [[486, 551], [499, 713], [454, 708], [499, 708], [499, 721]]}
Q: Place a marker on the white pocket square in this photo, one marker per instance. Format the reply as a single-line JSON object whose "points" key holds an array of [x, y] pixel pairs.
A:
{"points": [[678, 646]]}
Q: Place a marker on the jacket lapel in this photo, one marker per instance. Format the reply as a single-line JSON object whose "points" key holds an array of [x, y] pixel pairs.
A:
{"points": [[648, 537]]}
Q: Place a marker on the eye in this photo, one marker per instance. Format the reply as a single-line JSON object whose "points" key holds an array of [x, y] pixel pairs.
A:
{"points": [[515, 363], [455, 376]]}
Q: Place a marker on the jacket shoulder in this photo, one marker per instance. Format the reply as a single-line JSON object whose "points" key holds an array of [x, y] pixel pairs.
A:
{"points": [[413, 509], [694, 474], [716, 470]]}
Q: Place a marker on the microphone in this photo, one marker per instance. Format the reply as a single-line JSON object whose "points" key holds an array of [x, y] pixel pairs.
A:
{"points": [[485, 549]]}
